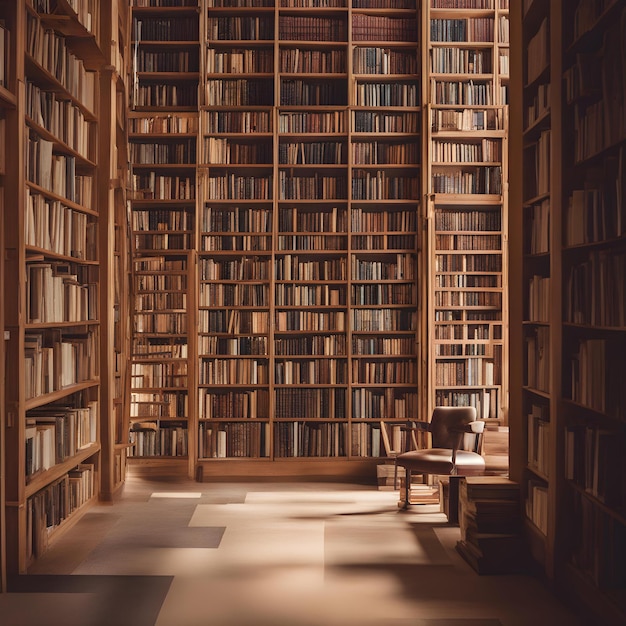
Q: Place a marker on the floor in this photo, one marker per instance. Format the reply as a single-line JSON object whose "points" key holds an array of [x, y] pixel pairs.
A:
{"points": [[267, 554]]}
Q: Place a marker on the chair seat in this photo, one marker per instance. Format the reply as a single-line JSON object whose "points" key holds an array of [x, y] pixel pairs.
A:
{"points": [[439, 461]]}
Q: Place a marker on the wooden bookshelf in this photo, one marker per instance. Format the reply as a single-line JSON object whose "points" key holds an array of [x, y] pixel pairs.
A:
{"points": [[53, 238], [571, 264], [115, 241], [162, 136], [8, 101], [308, 233], [467, 121]]}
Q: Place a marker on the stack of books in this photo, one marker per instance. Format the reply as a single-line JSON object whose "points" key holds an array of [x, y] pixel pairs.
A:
{"points": [[490, 521]]}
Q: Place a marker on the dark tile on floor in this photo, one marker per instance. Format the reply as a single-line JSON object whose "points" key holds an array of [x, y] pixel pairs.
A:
{"points": [[117, 600]]}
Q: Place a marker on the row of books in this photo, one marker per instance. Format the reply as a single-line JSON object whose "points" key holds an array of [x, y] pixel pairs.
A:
{"points": [[60, 292], [172, 374], [218, 150], [241, 404], [596, 374], [294, 267], [401, 268], [468, 242], [240, 61], [383, 294], [375, 60], [163, 123], [62, 118], [483, 299], [233, 371], [213, 345], [594, 290], [462, 331], [54, 227], [177, 61], [315, 345], [240, 27], [160, 282], [303, 61], [308, 439], [538, 359], [225, 440], [596, 212], [162, 219], [469, 180], [238, 269], [233, 321], [366, 440], [55, 433], [538, 105], [470, 29], [237, 121], [485, 150], [538, 439], [165, 28], [242, 243], [460, 61], [466, 4], [467, 220], [309, 295], [313, 92], [179, 152], [154, 186], [366, 372], [50, 51], [312, 321], [385, 403], [237, 187], [159, 404], [166, 94], [48, 508], [376, 320], [469, 349], [384, 122], [392, 220], [468, 263], [539, 218], [471, 371], [53, 363], [56, 173], [381, 28], [311, 372], [593, 462], [239, 294], [160, 347], [467, 119], [238, 92], [301, 403], [539, 299], [160, 323], [457, 92], [159, 439], [537, 52], [456, 281], [367, 94]]}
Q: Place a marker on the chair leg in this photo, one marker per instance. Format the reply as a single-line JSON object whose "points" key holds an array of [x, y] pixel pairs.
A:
{"points": [[395, 475], [406, 501]]}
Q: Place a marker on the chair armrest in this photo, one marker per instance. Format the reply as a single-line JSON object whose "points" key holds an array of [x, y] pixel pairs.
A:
{"points": [[473, 427]]}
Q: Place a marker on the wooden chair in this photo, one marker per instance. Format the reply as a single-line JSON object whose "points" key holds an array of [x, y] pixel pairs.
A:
{"points": [[455, 449]]}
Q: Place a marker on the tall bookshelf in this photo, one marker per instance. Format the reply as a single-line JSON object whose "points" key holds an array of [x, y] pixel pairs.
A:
{"points": [[571, 421], [162, 133], [8, 103], [308, 236], [115, 240], [52, 269], [467, 120]]}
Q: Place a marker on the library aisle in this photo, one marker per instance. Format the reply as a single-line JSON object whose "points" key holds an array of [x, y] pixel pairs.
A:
{"points": [[176, 553]]}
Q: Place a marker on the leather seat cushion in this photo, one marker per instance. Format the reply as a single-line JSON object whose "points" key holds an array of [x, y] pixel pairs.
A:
{"points": [[439, 461]]}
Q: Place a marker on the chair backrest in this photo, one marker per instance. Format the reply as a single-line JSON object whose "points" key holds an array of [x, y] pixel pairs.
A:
{"points": [[446, 417]]}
